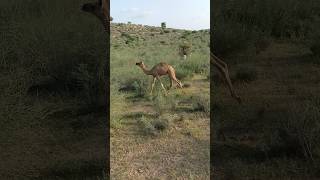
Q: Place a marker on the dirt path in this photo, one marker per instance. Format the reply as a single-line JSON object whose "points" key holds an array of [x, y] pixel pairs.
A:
{"points": [[180, 152]]}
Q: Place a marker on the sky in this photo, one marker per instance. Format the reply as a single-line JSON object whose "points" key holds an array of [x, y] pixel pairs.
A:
{"points": [[179, 14]]}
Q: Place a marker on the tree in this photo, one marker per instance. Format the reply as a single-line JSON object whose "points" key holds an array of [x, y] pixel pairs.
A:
{"points": [[163, 25]]}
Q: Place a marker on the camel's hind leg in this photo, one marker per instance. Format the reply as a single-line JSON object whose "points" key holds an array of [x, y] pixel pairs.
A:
{"points": [[165, 91], [171, 82], [152, 85]]}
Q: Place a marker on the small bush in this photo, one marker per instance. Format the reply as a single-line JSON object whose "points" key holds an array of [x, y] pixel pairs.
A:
{"points": [[166, 31], [162, 103], [201, 103], [160, 124], [153, 127], [302, 125], [146, 126], [134, 84], [163, 42], [185, 48], [129, 39]]}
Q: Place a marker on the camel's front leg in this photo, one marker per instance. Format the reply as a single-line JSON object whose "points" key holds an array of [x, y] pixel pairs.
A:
{"points": [[165, 91], [152, 85]]}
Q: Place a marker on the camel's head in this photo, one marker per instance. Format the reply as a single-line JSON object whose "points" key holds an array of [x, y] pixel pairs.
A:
{"points": [[92, 8], [99, 9], [140, 64]]}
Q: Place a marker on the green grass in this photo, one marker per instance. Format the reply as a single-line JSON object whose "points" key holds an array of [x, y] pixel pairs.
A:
{"points": [[52, 89]]}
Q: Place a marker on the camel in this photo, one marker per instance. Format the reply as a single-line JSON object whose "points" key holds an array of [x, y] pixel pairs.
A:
{"points": [[158, 70], [223, 68], [101, 10]]}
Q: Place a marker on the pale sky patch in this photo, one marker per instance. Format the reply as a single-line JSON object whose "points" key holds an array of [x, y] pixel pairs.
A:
{"points": [[181, 14]]}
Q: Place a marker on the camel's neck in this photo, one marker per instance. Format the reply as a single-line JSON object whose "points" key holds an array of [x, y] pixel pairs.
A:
{"points": [[146, 71]]}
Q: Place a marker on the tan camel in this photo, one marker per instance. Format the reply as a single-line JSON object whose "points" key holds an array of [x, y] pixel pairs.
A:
{"points": [[158, 70], [223, 68]]}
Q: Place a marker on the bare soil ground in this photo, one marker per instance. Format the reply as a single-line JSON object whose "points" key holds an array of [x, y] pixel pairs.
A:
{"points": [[179, 152]]}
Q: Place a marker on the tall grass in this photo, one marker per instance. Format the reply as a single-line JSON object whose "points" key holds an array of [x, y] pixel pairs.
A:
{"points": [[53, 49]]}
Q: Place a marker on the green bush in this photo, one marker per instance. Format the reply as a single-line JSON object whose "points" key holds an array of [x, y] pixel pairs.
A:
{"points": [[146, 126], [166, 31], [153, 127]]}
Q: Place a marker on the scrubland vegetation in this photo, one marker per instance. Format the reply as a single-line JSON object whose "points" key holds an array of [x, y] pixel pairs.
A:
{"points": [[165, 136], [272, 50]]}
